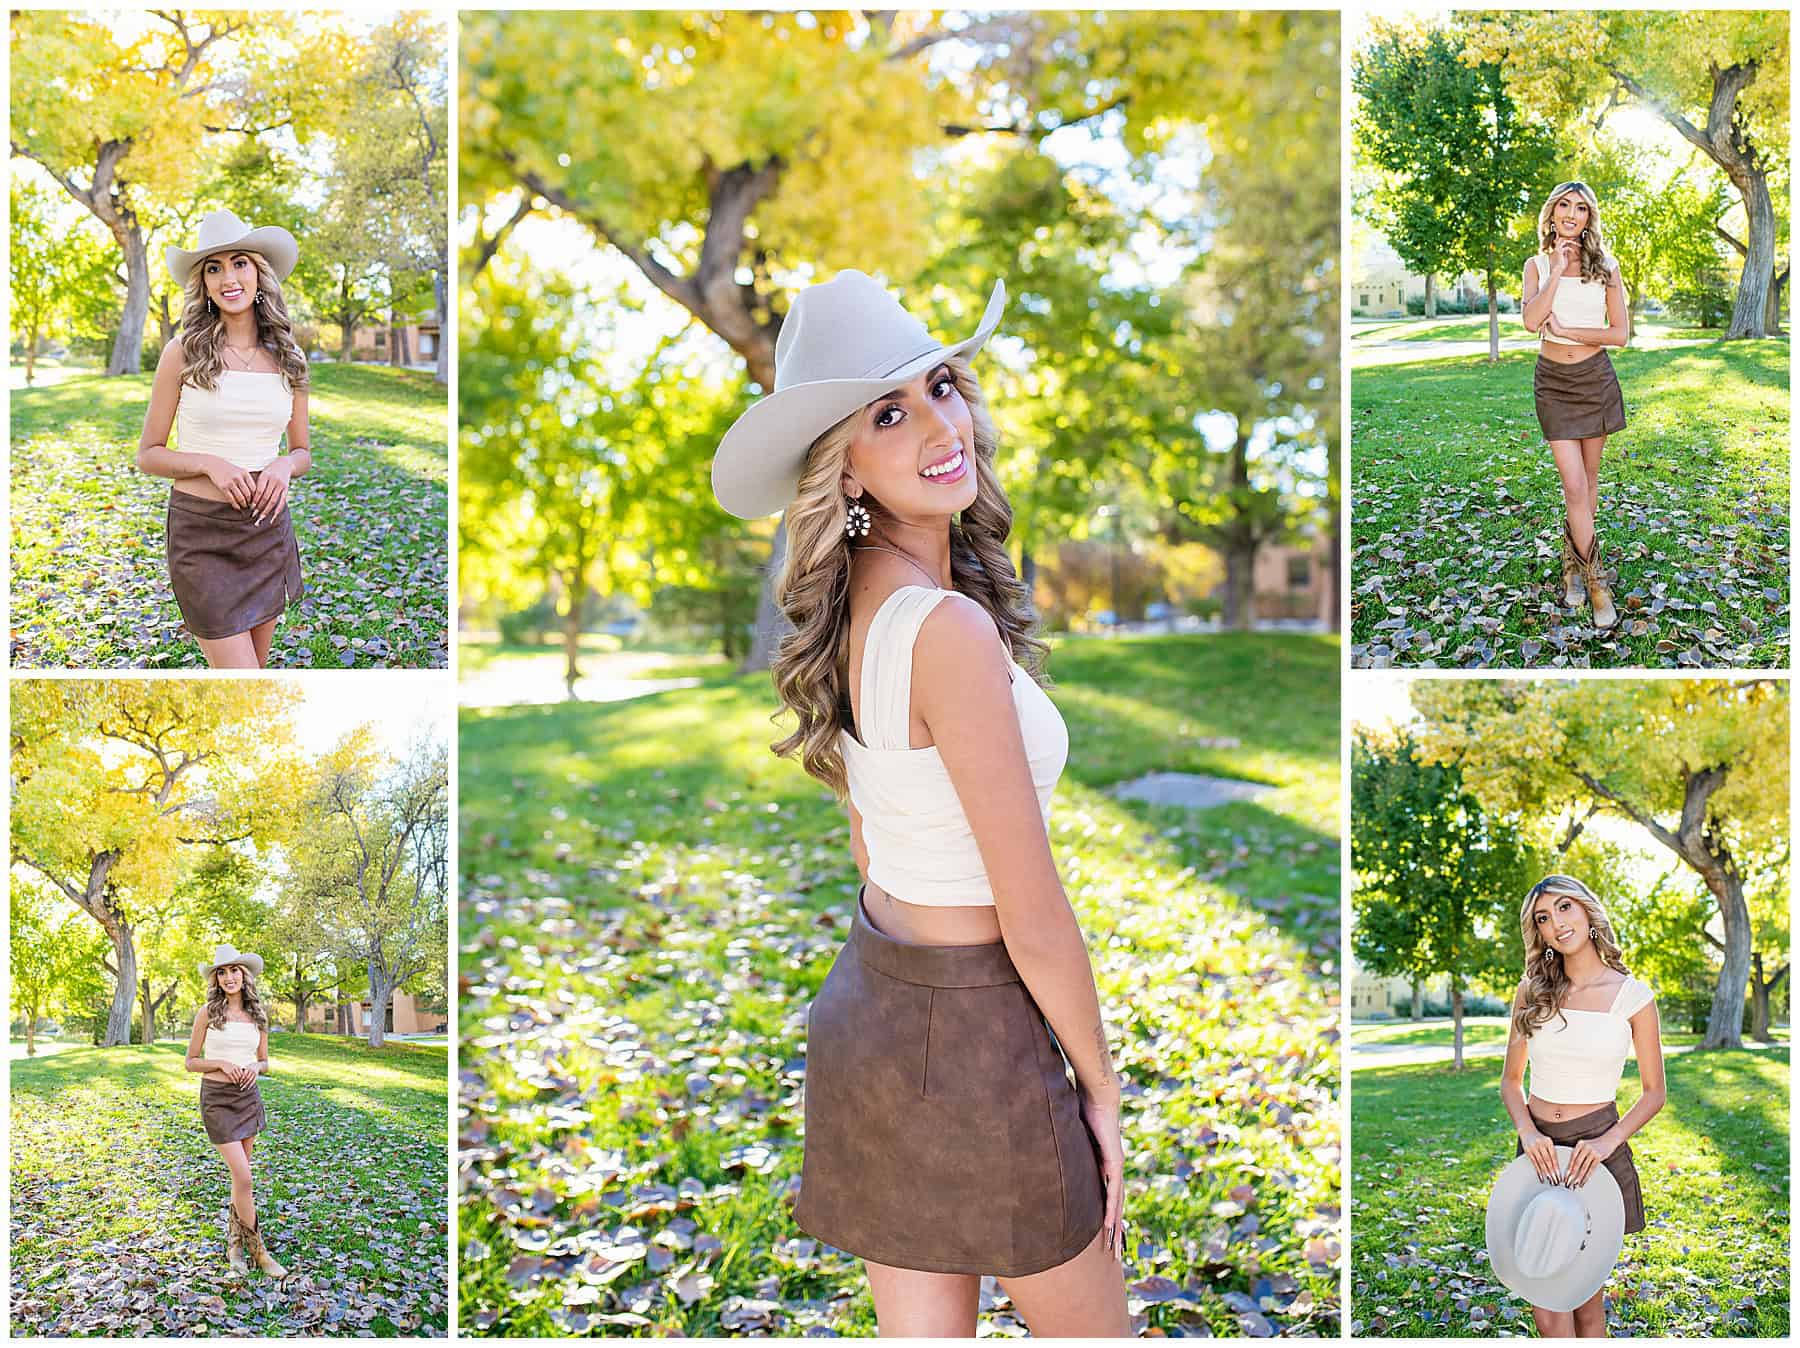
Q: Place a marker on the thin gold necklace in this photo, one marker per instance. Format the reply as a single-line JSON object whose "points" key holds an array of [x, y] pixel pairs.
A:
{"points": [[876, 547]]}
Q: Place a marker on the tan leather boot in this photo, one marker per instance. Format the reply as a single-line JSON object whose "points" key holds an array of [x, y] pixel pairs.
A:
{"points": [[234, 1240], [1593, 575], [1574, 590], [253, 1242]]}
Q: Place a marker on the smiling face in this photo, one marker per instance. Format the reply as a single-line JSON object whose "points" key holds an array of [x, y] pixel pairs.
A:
{"points": [[1569, 215], [230, 978], [230, 280], [914, 450], [1561, 922]]}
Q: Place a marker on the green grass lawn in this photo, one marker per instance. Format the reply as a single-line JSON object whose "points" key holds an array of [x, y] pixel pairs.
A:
{"points": [[1467, 329], [117, 1196], [1430, 1034], [90, 585], [1456, 516], [651, 898], [1427, 1143]]}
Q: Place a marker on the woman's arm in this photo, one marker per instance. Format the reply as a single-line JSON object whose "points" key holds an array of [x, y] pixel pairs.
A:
{"points": [[272, 487], [1618, 326], [154, 455], [1646, 1041], [858, 848], [262, 1052], [197, 1046], [1535, 301], [1539, 1148]]}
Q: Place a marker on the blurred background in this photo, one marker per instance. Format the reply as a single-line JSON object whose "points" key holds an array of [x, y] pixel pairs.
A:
{"points": [[1156, 190]]}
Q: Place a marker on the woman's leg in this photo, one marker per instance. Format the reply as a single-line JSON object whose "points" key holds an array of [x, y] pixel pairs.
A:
{"points": [[234, 652], [243, 1191], [1590, 1317], [1591, 449], [913, 1304], [1553, 1324], [1081, 1298], [262, 636], [1578, 498]]}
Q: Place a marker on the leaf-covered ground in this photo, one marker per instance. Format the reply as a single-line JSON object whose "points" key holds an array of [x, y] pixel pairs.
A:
{"points": [[118, 1197], [651, 899], [1456, 516], [90, 584], [1427, 1143]]}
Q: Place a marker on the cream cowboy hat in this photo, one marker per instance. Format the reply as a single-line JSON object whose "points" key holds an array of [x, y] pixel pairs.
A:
{"points": [[1551, 1244], [227, 954], [844, 343], [223, 232]]}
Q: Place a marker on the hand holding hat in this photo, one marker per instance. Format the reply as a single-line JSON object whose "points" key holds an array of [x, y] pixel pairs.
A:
{"points": [[1553, 1245]]}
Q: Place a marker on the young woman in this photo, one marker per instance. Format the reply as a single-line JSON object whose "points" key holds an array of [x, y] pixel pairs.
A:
{"points": [[230, 1048], [944, 1139], [1577, 1012], [1574, 299], [232, 385]]}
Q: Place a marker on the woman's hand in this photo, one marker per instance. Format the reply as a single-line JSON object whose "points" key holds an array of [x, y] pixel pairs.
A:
{"points": [[234, 482], [1542, 1152], [1554, 328], [1590, 1152], [1101, 1115], [272, 488], [1567, 251]]}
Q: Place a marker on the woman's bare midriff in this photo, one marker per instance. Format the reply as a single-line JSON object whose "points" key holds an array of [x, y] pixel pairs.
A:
{"points": [[929, 924], [217, 1076], [1564, 353], [205, 487], [1559, 1111]]}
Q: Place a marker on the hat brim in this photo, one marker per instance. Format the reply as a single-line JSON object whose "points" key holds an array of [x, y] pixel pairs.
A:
{"points": [[271, 242], [757, 466], [254, 963], [1576, 1282]]}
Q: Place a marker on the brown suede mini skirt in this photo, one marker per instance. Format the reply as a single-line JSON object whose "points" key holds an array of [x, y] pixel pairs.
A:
{"points": [[231, 1113], [1578, 400], [1567, 1132], [943, 1131], [229, 573]]}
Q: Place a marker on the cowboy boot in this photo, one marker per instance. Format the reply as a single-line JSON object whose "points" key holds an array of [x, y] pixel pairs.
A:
{"points": [[1574, 590], [253, 1242], [234, 1240], [1593, 575]]}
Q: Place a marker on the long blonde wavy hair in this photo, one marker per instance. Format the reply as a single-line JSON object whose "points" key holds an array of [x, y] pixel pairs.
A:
{"points": [[203, 329], [1546, 980], [216, 1003], [1596, 262], [811, 668]]}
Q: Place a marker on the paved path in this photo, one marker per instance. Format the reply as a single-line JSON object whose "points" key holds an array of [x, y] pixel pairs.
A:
{"points": [[1415, 1055], [537, 680], [1378, 350]]}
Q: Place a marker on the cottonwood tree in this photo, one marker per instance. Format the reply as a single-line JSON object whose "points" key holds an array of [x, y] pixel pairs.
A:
{"points": [[54, 955], [1456, 162], [122, 110], [113, 780], [1701, 765], [376, 858], [1437, 877], [1719, 78]]}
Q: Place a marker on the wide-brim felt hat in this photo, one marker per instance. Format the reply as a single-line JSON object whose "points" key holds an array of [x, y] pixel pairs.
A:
{"points": [[1553, 1245], [227, 954], [223, 232], [844, 343]]}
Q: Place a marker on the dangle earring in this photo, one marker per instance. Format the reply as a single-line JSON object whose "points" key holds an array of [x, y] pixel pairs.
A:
{"points": [[857, 520], [256, 298], [210, 307]]}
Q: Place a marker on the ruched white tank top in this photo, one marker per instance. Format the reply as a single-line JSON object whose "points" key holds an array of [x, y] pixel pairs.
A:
{"points": [[241, 421], [1577, 303], [921, 848], [1578, 1058], [235, 1043]]}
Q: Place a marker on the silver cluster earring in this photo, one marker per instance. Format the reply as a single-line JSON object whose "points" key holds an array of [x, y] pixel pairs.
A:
{"points": [[857, 520], [256, 298]]}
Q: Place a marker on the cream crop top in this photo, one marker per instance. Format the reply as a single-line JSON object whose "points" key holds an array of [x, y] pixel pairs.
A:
{"points": [[921, 848], [241, 421], [236, 1043], [1577, 303], [1578, 1057]]}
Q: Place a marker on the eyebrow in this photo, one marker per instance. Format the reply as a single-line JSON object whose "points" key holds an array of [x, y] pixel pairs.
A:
{"points": [[895, 393]]}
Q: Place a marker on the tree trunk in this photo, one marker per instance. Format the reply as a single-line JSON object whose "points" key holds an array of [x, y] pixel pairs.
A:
{"points": [[1240, 581], [577, 593], [381, 991], [1750, 315], [128, 346], [1418, 999], [118, 1019], [1772, 319], [31, 1021], [1493, 321], [148, 1030], [1760, 990], [441, 297], [1456, 1020], [31, 346], [771, 626], [1430, 296]]}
